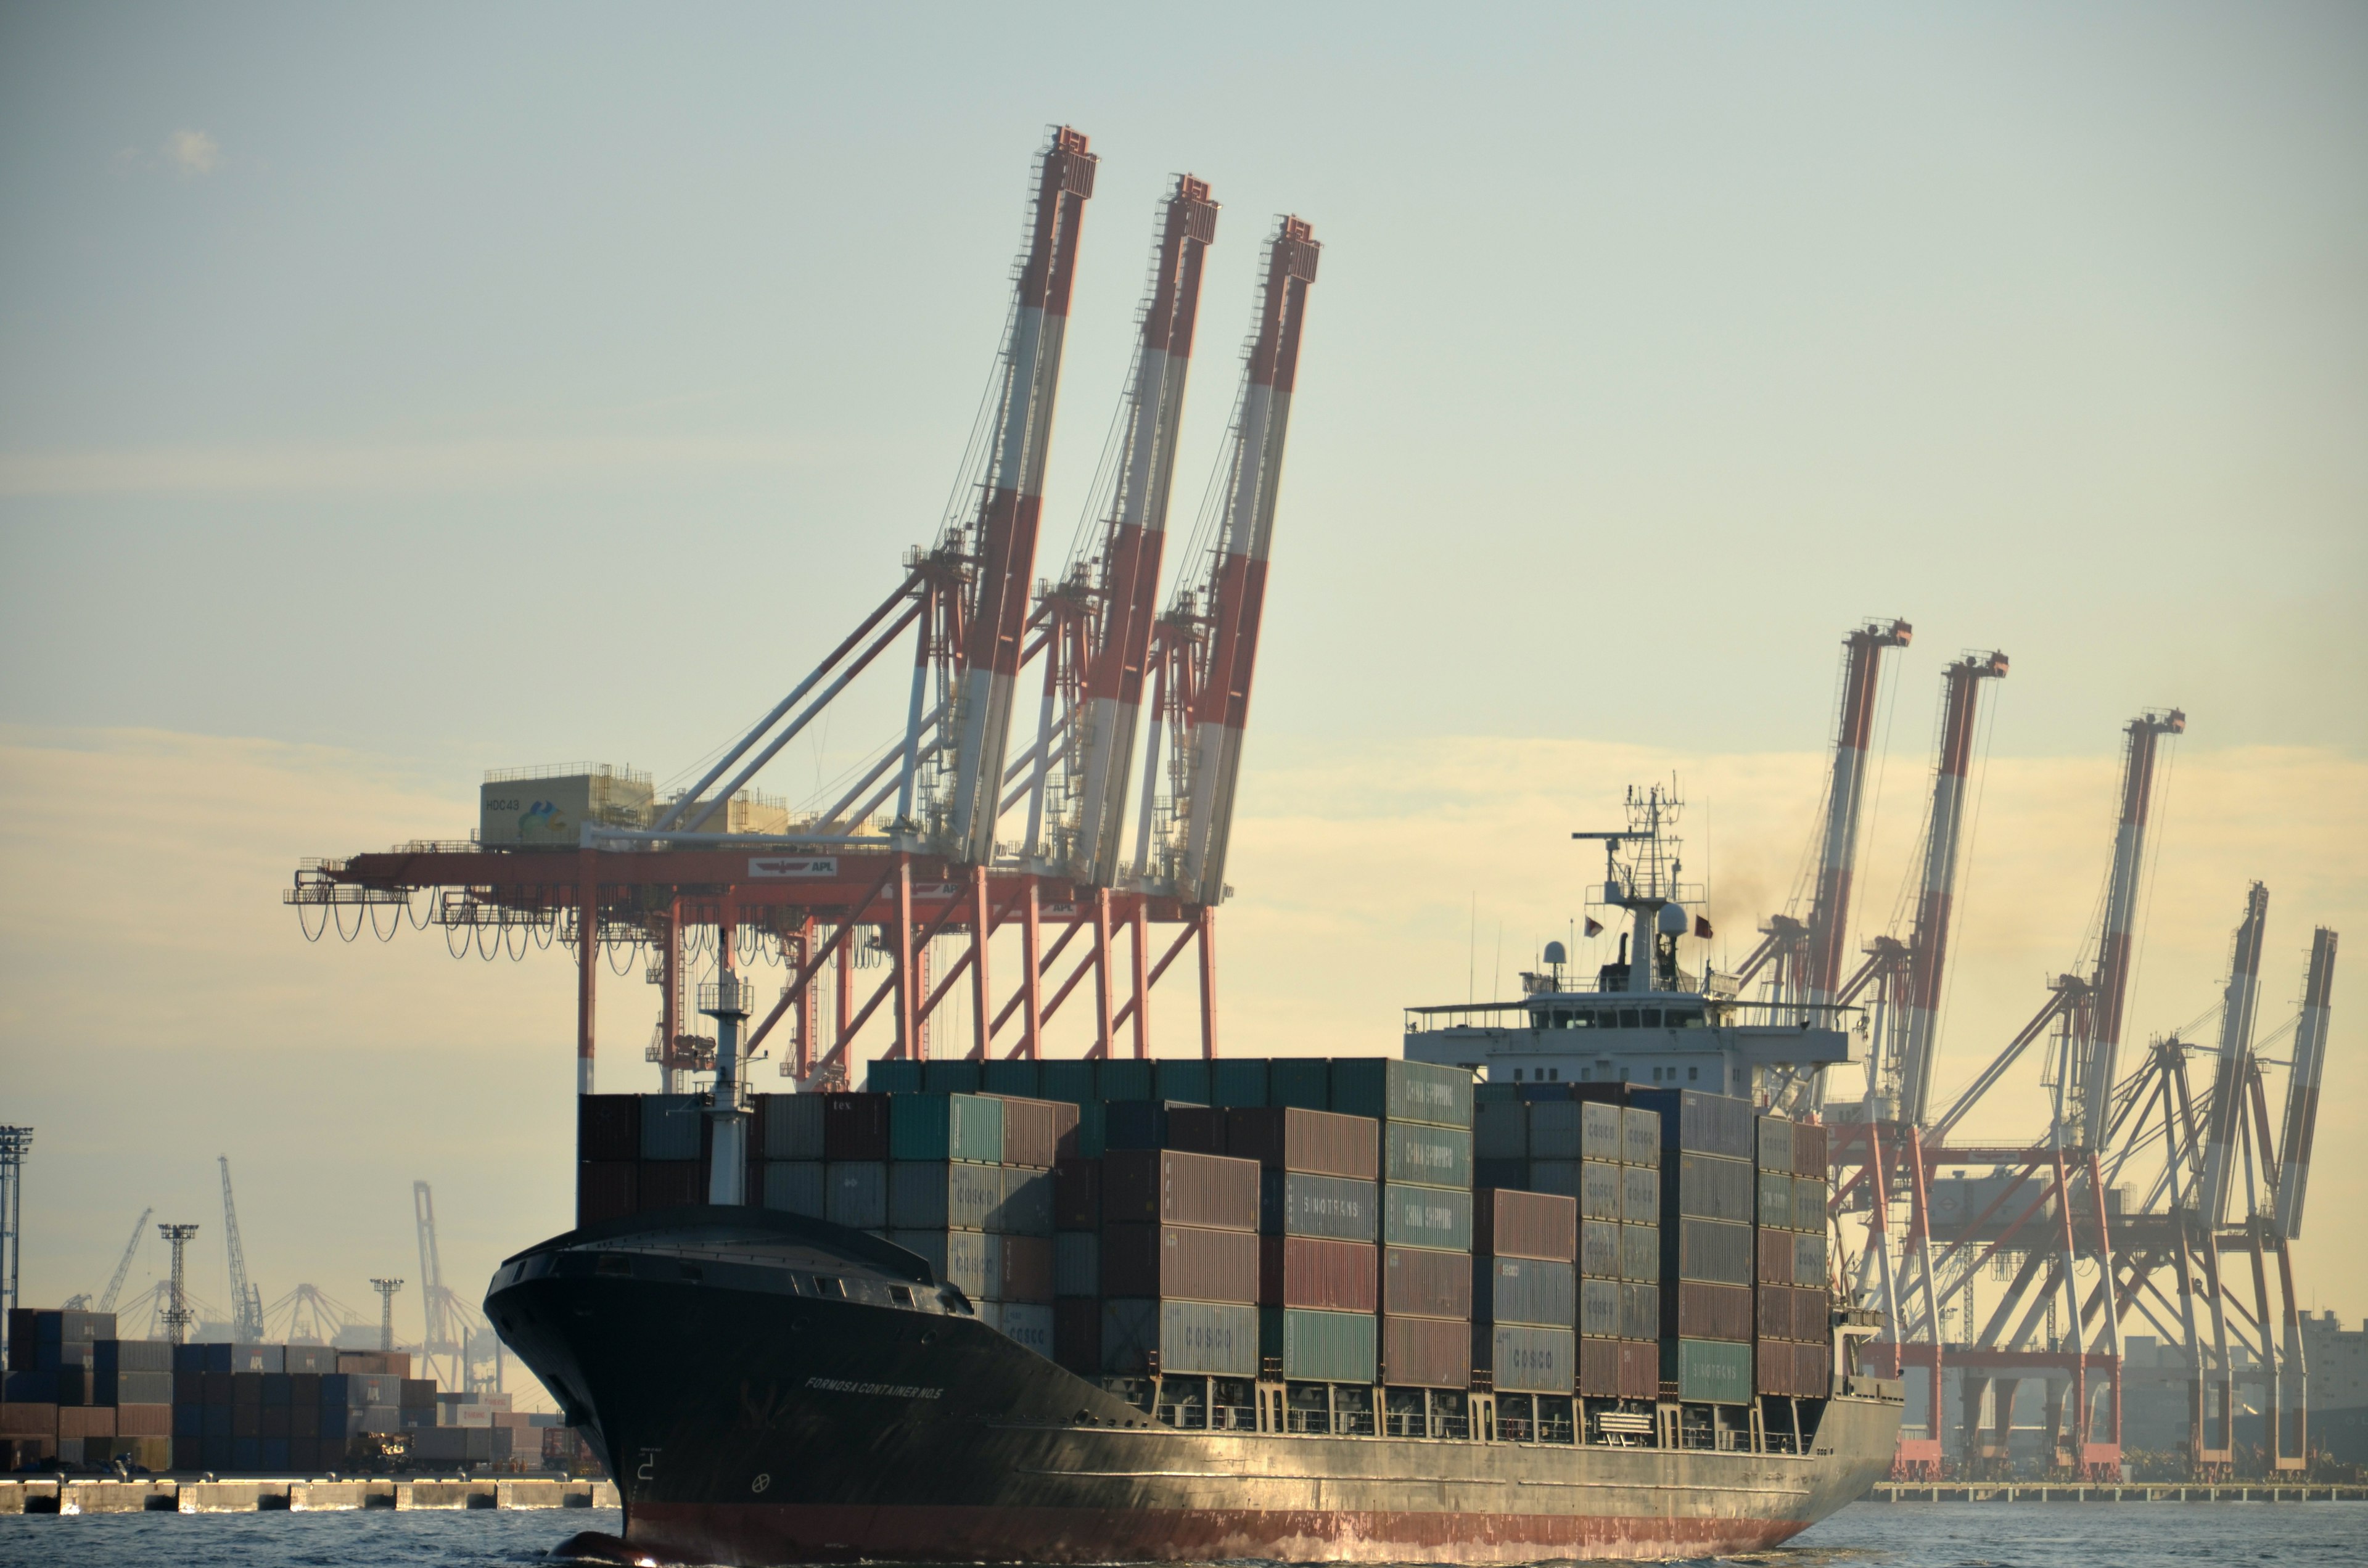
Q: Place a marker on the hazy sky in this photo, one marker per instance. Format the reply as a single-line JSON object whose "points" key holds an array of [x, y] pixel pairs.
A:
{"points": [[386, 395]]}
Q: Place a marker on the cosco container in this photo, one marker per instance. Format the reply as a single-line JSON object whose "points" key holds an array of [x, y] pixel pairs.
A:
{"points": [[1809, 1259], [1291, 1204], [1423, 1155], [1320, 1347], [795, 1187], [1775, 1200], [1599, 1136], [1418, 1282], [1775, 1144], [1598, 1309], [1639, 1310], [1426, 1352], [1309, 1143], [672, 1127], [1318, 1274], [1554, 1128], [1598, 1189], [1162, 1187], [1530, 1359], [1392, 1090], [1510, 1223], [1500, 1129], [793, 1126], [1303, 1082], [933, 1195], [1141, 1336], [1701, 1123], [1524, 1290], [1809, 1203], [1640, 1194], [1640, 1136], [971, 1261], [855, 1194], [1598, 1249], [1708, 1371], [1693, 1310], [1705, 1187], [1707, 1251], [1180, 1261], [1076, 1262], [1029, 1324], [946, 1126], [1426, 1217]]}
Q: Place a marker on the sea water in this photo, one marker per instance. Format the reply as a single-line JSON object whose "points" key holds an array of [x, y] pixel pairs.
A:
{"points": [[1903, 1534]]}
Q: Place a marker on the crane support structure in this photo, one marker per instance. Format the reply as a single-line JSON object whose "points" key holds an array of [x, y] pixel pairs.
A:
{"points": [[2097, 1057], [1219, 624], [1829, 910], [1943, 833], [2227, 1107], [123, 1269], [2302, 1083], [245, 1300]]}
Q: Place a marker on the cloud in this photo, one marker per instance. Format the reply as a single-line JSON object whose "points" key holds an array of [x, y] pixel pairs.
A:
{"points": [[193, 152]]}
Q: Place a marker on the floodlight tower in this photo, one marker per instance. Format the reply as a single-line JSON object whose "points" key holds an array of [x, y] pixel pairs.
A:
{"points": [[14, 1144], [386, 1289], [178, 1316]]}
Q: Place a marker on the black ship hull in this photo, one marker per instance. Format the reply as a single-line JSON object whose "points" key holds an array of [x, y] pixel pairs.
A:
{"points": [[773, 1390]]}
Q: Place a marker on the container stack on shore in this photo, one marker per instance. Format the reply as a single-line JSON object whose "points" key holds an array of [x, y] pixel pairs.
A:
{"points": [[75, 1392]]}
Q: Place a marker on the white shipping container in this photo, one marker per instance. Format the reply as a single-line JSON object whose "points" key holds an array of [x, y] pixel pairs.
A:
{"points": [[553, 806]]}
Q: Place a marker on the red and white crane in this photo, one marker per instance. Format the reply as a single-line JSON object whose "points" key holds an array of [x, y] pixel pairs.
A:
{"points": [[2235, 1065], [1212, 628], [2302, 1083], [1829, 910], [2090, 1076]]}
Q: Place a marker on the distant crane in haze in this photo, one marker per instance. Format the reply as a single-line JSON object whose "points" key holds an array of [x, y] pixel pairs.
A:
{"points": [[115, 1286], [245, 1300]]}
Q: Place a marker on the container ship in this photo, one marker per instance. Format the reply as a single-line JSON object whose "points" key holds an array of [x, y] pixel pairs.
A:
{"points": [[1552, 1284]]}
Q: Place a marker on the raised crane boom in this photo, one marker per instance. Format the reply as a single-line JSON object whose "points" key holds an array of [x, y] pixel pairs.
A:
{"points": [[2098, 1054], [1828, 927], [2302, 1083], [1129, 588], [1004, 549], [2227, 1106], [122, 1270], [245, 1300], [1233, 596], [1944, 835]]}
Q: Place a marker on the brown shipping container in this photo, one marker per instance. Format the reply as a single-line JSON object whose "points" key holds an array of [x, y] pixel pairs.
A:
{"points": [[1310, 1271], [1077, 1335], [1306, 1142], [1418, 1282], [667, 1184], [1772, 1366], [1809, 1149], [1772, 1314], [1026, 1269], [1077, 1195], [1180, 1261], [1031, 1133], [1506, 1223], [1599, 1367], [1196, 1128], [85, 1421], [1775, 1257], [1640, 1370], [1426, 1353], [855, 1127], [1706, 1311], [1811, 1317], [609, 1127], [605, 1189], [1163, 1187], [144, 1420], [1813, 1370]]}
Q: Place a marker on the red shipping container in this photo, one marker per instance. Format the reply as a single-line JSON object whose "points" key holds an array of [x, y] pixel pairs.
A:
{"points": [[609, 1127], [1077, 1335], [1164, 1186], [1772, 1313], [1775, 1249], [1426, 1353], [606, 1190], [1640, 1370], [855, 1127], [1506, 1223], [1773, 1363], [144, 1420], [1811, 1317], [1809, 1151], [1077, 1195], [1031, 1133], [1308, 1142], [1599, 1367], [1026, 1269], [1196, 1128], [78, 1421], [1183, 1261], [1813, 1370], [1309, 1271], [1421, 1283], [667, 1184], [1708, 1312]]}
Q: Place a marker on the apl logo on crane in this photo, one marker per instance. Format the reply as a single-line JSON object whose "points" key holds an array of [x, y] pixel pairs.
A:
{"points": [[783, 866]]}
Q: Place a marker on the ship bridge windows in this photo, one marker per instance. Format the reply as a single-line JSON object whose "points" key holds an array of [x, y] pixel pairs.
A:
{"points": [[1628, 1019]]}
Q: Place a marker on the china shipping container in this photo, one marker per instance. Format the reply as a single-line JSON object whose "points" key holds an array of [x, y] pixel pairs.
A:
{"points": [[1183, 1261], [1423, 1155], [1310, 1142], [1154, 1185], [1389, 1089], [1318, 1274], [1511, 1223], [1320, 1347], [1339, 1208], [1426, 1217], [1708, 1371]]}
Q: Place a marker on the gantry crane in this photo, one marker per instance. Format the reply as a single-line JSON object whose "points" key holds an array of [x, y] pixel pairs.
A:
{"points": [[245, 1300]]}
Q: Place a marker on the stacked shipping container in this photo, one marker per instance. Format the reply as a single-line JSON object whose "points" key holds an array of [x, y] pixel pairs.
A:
{"points": [[1795, 1355]]}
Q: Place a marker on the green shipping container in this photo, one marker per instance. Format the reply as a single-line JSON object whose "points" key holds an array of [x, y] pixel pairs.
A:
{"points": [[1809, 1204], [1325, 1347], [1237, 1081], [1022, 1080], [1392, 1090], [1426, 1156], [1434, 1217], [1301, 1081], [1070, 1081], [1186, 1082], [893, 1078], [1122, 1081], [950, 1077], [1775, 1200], [1708, 1371], [946, 1126]]}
